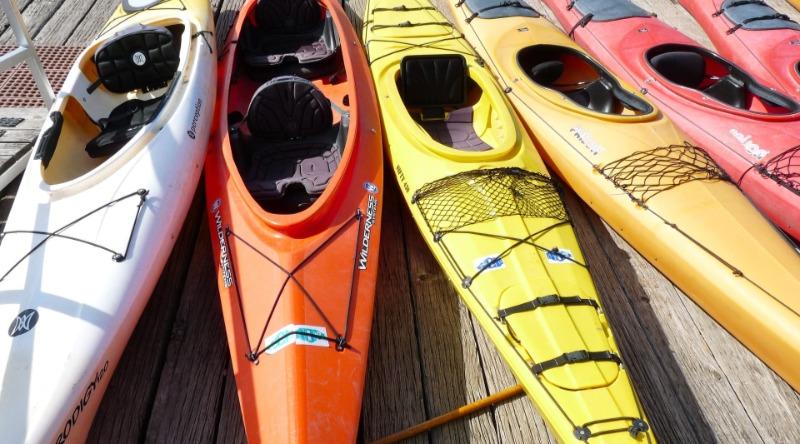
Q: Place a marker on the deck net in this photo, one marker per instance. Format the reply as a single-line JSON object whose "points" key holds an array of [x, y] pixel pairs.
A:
{"points": [[644, 174], [476, 196], [785, 169]]}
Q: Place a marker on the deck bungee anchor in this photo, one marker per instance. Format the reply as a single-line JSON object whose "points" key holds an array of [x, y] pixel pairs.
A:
{"points": [[338, 339], [116, 256]]}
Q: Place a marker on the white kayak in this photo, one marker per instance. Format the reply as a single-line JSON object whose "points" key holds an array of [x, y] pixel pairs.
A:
{"points": [[98, 210]]}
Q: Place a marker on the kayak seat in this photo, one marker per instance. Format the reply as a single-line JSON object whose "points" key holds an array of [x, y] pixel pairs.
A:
{"points": [[143, 58], [290, 37], [596, 95], [686, 68], [293, 148], [609, 10], [435, 86], [122, 124]]}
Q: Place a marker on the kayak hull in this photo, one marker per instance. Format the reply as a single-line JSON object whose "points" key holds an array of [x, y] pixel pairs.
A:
{"points": [[294, 388], [485, 260], [705, 237], [72, 303]]}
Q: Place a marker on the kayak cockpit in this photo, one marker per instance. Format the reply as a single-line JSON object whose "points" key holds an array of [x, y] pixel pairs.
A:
{"points": [[448, 105], [124, 83], [701, 70], [288, 134], [580, 79]]}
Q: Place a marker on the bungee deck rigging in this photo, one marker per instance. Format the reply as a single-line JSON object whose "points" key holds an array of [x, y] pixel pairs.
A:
{"points": [[339, 339], [472, 197], [116, 256]]}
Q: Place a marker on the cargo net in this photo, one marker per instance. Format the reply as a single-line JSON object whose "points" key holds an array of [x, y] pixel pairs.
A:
{"points": [[644, 174], [476, 196], [785, 169], [453, 203]]}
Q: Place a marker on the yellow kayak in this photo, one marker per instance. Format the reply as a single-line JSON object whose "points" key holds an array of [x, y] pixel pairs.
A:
{"points": [[667, 198], [493, 219]]}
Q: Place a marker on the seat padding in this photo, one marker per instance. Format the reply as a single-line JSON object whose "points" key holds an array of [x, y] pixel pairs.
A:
{"points": [[294, 145], [288, 108], [290, 37], [434, 81], [288, 16], [685, 68], [458, 131], [142, 57], [122, 124], [729, 90], [547, 72], [597, 96]]}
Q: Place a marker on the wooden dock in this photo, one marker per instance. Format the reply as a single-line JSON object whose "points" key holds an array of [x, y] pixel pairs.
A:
{"points": [[428, 355]]}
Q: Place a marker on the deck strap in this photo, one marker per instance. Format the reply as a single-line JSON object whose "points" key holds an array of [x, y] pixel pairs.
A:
{"points": [[545, 301], [575, 357]]}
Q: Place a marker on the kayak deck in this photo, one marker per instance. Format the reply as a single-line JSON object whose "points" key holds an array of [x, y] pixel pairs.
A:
{"points": [[174, 380]]}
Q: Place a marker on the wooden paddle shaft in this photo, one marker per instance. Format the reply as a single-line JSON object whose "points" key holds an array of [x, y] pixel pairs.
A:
{"points": [[496, 398]]}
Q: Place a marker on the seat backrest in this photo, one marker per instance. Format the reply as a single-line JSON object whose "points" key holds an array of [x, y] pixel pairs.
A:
{"points": [[686, 68], [288, 16], [433, 82], [547, 72], [288, 108], [729, 90], [142, 57]]}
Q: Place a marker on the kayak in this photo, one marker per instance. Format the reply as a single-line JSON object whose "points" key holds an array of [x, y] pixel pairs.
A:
{"points": [[495, 222], [97, 212], [751, 131], [755, 37], [294, 179], [662, 194]]}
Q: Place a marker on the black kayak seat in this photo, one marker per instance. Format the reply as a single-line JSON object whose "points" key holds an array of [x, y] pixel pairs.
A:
{"points": [[293, 144], [596, 95], [489, 9], [687, 68], [755, 15], [609, 10], [292, 37], [437, 86], [142, 58]]}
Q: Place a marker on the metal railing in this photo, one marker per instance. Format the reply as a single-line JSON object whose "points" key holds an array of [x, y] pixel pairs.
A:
{"points": [[25, 51]]}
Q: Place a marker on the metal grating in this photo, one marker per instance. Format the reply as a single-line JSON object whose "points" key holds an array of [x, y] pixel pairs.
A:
{"points": [[17, 87]]}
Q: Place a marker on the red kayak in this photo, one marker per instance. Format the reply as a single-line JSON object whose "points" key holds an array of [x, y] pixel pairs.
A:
{"points": [[756, 37], [750, 130]]}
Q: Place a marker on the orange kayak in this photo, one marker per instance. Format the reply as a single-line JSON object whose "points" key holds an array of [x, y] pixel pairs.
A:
{"points": [[294, 178]]}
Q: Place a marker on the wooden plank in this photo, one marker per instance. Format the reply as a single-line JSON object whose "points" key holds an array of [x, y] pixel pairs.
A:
{"points": [[451, 369], [125, 409], [230, 429], [86, 30], [61, 24], [34, 16], [6, 200], [393, 395], [192, 382], [226, 15]]}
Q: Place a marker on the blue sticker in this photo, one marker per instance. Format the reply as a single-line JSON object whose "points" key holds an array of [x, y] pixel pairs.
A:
{"points": [[559, 256], [489, 263], [371, 187]]}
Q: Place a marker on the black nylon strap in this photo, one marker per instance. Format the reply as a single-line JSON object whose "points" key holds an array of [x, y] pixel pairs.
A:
{"points": [[755, 19], [507, 4], [403, 8], [739, 3], [409, 24], [544, 301], [580, 24], [575, 357]]}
